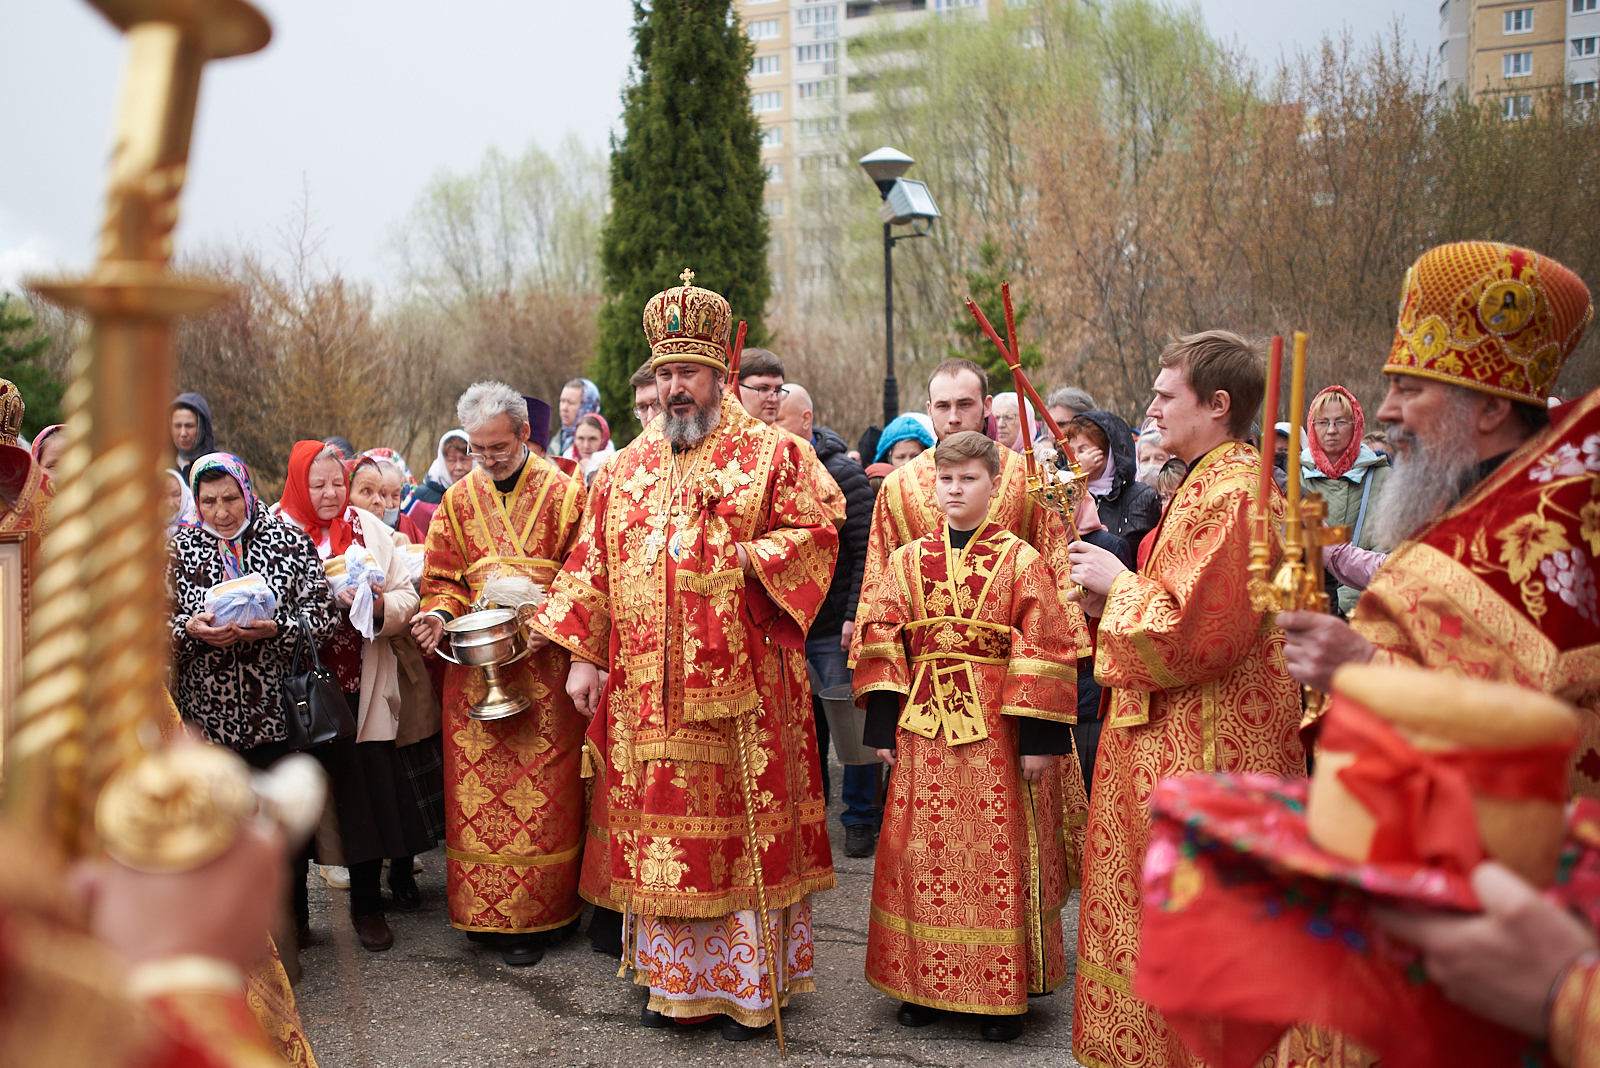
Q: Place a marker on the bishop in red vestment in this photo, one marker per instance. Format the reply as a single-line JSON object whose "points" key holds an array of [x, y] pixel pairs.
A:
{"points": [[703, 557]]}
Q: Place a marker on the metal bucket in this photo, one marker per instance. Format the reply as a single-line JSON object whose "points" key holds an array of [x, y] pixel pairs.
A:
{"points": [[846, 723]]}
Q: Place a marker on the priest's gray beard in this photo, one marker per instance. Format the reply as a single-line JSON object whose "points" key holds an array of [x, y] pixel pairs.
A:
{"points": [[687, 432], [1430, 474]]}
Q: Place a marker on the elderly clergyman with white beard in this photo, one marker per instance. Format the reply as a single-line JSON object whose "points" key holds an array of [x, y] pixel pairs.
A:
{"points": [[700, 564], [1492, 515]]}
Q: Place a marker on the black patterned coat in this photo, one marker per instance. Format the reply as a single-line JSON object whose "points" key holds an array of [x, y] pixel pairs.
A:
{"points": [[232, 694]]}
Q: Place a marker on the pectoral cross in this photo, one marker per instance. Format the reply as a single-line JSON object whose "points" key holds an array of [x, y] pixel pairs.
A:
{"points": [[656, 541]]}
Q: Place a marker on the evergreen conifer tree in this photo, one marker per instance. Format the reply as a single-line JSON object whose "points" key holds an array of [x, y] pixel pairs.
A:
{"points": [[687, 184], [19, 361], [983, 286]]}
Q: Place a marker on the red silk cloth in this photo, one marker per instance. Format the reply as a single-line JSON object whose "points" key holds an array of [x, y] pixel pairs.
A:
{"points": [[296, 501], [1423, 800], [1248, 929]]}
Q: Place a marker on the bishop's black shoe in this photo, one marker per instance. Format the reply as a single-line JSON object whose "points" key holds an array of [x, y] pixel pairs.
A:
{"points": [[913, 1015], [651, 1018], [1002, 1028], [734, 1031], [523, 953]]}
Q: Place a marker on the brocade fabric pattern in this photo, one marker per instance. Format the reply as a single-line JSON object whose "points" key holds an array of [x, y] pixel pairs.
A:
{"points": [[1199, 684], [514, 810]]}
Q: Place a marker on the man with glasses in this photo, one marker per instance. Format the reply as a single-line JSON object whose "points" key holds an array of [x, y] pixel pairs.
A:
{"points": [[514, 816], [646, 405]]}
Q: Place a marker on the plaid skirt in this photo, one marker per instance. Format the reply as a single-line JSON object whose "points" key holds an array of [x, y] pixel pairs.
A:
{"points": [[424, 764]]}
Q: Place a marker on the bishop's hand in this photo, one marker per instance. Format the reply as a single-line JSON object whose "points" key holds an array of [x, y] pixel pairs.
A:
{"points": [[1316, 644], [583, 686]]}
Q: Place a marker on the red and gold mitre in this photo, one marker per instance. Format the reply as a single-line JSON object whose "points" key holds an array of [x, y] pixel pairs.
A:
{"points": [[687, 324], [11, 411], [1490, 317]]}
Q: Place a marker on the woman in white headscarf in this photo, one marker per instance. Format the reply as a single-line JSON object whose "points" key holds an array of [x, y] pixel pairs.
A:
{"points": [[178, 504], [448, 467]]}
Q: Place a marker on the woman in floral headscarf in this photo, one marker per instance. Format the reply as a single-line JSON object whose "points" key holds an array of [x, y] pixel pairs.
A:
{"points": [[450, 465], [48, 445], [1336, 463], [379, 816], [579, 397], [399, 489], [591, 446], [227, 680]]}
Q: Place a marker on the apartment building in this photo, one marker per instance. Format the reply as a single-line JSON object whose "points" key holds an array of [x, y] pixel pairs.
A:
{"points": [[802, 92], [1512, 50]]}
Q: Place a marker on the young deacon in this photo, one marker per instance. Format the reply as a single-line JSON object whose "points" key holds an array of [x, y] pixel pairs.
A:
{"points": [[969, 692]]}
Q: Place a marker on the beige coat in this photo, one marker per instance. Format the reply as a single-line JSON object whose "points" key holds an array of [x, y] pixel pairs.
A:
{"points": [[379, 716]]}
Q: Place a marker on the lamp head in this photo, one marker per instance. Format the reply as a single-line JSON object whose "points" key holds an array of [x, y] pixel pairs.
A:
{"points": [[884, 166], [908, 201]]}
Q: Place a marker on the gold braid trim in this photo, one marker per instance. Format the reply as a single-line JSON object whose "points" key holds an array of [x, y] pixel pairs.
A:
{"points": [[713, 583], [714, 906]]}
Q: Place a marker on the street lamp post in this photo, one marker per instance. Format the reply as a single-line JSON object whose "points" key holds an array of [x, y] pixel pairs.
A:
{"points": [[905, 200]]}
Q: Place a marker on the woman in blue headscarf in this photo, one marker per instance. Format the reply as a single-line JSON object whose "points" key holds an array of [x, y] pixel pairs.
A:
{"points": [[903, 440], [579, 397]]}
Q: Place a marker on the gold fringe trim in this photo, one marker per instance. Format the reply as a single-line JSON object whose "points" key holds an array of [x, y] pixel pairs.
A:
{"points": [[712, 1006], [699, 710], [709, 584], [704, 754], [713, 907], [519, 930]]}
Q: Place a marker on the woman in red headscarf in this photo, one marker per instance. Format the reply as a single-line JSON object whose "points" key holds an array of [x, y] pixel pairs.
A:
{"points": [[379, 815], [1346, 472]]}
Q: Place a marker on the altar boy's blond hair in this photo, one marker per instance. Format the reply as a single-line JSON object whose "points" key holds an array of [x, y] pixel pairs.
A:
{"points": [[968, 445]]}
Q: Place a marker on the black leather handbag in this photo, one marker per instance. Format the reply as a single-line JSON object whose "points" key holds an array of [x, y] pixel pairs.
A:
{"points": [[313, 704]]}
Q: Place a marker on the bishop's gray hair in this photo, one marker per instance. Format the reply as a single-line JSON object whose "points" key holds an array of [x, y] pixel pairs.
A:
{"points": [[484, 401]]}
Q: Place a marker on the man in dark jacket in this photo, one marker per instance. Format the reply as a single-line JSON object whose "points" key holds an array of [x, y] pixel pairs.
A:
{"points": [[1104, 447], [190, 420], [828, 642]]}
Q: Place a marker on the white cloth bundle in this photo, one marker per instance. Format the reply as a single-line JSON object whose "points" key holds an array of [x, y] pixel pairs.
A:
{"points": [[362, 576], [511, 591], [244, 600], [414, 558]]}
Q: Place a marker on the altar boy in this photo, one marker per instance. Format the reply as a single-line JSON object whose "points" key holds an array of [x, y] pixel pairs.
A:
{"points": [[969, 695]]}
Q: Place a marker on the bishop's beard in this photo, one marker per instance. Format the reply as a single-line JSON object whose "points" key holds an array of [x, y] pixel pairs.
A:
{"points": [[685, 432], [1430, 474]]}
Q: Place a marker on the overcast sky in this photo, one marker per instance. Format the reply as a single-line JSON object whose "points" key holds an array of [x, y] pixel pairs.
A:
{"points": [[360, 102]]}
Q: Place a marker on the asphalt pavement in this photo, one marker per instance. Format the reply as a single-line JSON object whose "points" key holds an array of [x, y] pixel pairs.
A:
{"points": [[436, 999]]}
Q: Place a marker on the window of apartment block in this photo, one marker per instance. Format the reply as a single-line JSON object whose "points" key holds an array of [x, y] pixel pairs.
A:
{"points": [[772, 101], [814, 53], [766, 29], [775, 209], [1516, 64], [1444, 10], [1583, 46], [818, 127], [767, 65], [1579, 7], [1516, 107], [817, 90], [772, 137], [816, 16], [1444, 52], [774, 172], [947, 6], [1519, 20], [1582, 91]]}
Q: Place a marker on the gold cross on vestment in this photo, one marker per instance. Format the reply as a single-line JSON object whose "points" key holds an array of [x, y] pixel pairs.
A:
{"points": [[687, 277], [656, 540]]}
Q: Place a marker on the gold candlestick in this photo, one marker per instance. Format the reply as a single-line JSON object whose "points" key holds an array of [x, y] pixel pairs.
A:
{"points": [[93, 693]]}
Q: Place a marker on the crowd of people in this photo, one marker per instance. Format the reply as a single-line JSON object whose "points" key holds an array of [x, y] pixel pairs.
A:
{"points": [[1026, 679]]}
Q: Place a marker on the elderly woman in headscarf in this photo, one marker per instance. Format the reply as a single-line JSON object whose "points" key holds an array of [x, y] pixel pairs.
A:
{"points": [[379, 816], [227, 680], [177, 503], [48, 445], [396, 492], [579, 397], [903, 440], [452, 463], [1336, 463]]}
